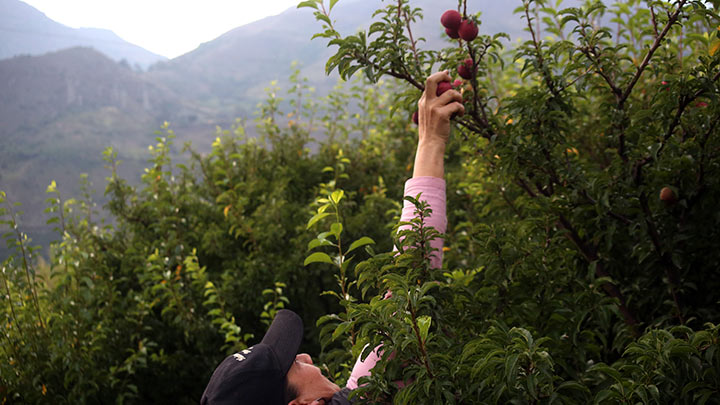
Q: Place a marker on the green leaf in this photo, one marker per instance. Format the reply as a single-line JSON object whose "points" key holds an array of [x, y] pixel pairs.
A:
{"points": [[605, 369], [319, 242], [360, 242], [336, 229], [572, 385], [308, 3], [340, 329], [511, 368], [318, 257], [324, 18], [423, 323], [316, 218], [336, 196], [332, 4]]}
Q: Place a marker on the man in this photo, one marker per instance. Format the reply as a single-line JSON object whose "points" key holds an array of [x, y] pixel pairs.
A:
{"points": [[272, 372]]}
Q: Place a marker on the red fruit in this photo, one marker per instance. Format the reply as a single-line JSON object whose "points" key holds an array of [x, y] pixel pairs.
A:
{"points": [[443, 87], [451, 19], [465, 70], [701, 104], [468, 30], [452, 33], [416, 118], [667, 195], [457, 83]]}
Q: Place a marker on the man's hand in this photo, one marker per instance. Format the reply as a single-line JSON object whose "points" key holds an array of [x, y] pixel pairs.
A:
{"points": [[434, 125]]}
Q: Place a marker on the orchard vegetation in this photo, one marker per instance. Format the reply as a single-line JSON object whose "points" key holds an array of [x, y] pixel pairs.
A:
{"points": [[581, 260]]}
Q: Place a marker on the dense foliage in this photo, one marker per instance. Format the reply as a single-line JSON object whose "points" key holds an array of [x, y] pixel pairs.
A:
{"points": [[566, 278]]}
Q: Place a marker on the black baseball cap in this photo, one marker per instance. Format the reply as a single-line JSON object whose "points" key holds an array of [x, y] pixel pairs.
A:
{"points": [[257, 374]]}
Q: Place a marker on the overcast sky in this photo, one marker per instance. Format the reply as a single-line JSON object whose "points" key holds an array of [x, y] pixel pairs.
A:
{"points": [[166, 27]]}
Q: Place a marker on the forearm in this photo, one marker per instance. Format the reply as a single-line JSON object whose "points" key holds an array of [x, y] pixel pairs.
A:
{"points": [[430, 159]]}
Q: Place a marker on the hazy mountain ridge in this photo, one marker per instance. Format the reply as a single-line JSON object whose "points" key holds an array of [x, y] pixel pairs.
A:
{"points": [[25, 30], [39, 89], [217, 72]]}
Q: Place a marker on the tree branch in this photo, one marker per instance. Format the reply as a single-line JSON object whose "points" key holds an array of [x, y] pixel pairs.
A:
{"points": [[658, 41], [671, 271], [590, 255]]}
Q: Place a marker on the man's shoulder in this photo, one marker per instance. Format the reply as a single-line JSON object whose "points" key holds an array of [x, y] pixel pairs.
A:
{"points": [[341, 397]]}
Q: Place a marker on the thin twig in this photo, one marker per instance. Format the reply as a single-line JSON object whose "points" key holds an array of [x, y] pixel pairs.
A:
{"points": [[576, 80], [541, 61], [684, 102], [26, 266], [520, 182], [658, 41], [397, 75], [423, 351], [654, 21], [612, 214], [592, 55], [10, 301], [412, 40], [486, 133], [510, 203]]}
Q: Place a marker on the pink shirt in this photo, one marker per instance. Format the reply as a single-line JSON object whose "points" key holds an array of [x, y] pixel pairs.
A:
{"points": [[433, 192]]}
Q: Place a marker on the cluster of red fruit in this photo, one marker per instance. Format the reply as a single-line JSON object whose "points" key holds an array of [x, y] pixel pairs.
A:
{"points": [[458, 27]]}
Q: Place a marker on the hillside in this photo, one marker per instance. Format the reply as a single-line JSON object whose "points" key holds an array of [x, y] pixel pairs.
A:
{"points": [[60, 110], [26, 31]]}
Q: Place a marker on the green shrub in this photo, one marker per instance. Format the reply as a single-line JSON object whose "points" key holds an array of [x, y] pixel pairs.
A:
{"points": [[140, 307]]}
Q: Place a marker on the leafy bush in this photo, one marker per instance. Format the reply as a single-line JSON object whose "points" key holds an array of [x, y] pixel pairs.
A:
{"points": [[193, 261]]}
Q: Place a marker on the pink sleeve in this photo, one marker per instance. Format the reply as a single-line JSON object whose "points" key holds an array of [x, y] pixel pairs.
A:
{"points": [[433, 191]]}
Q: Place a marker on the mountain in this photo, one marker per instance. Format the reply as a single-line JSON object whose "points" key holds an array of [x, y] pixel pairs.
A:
{"points": [[26, 31]]}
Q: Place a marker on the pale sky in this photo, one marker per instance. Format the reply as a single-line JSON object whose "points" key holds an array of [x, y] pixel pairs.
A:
{"points": [[165, 27]]}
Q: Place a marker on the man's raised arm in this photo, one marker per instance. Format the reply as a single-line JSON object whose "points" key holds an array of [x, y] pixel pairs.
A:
{"points": [[435, 112]]}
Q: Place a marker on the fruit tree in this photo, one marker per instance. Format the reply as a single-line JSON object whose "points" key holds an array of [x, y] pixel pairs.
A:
{"points": [[567, 278]]}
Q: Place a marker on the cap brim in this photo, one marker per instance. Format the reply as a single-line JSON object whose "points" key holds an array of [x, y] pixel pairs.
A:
{"points": [[284, 336]]}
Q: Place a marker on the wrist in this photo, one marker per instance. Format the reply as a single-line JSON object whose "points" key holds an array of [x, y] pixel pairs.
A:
{"points": [[432, 146]]}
